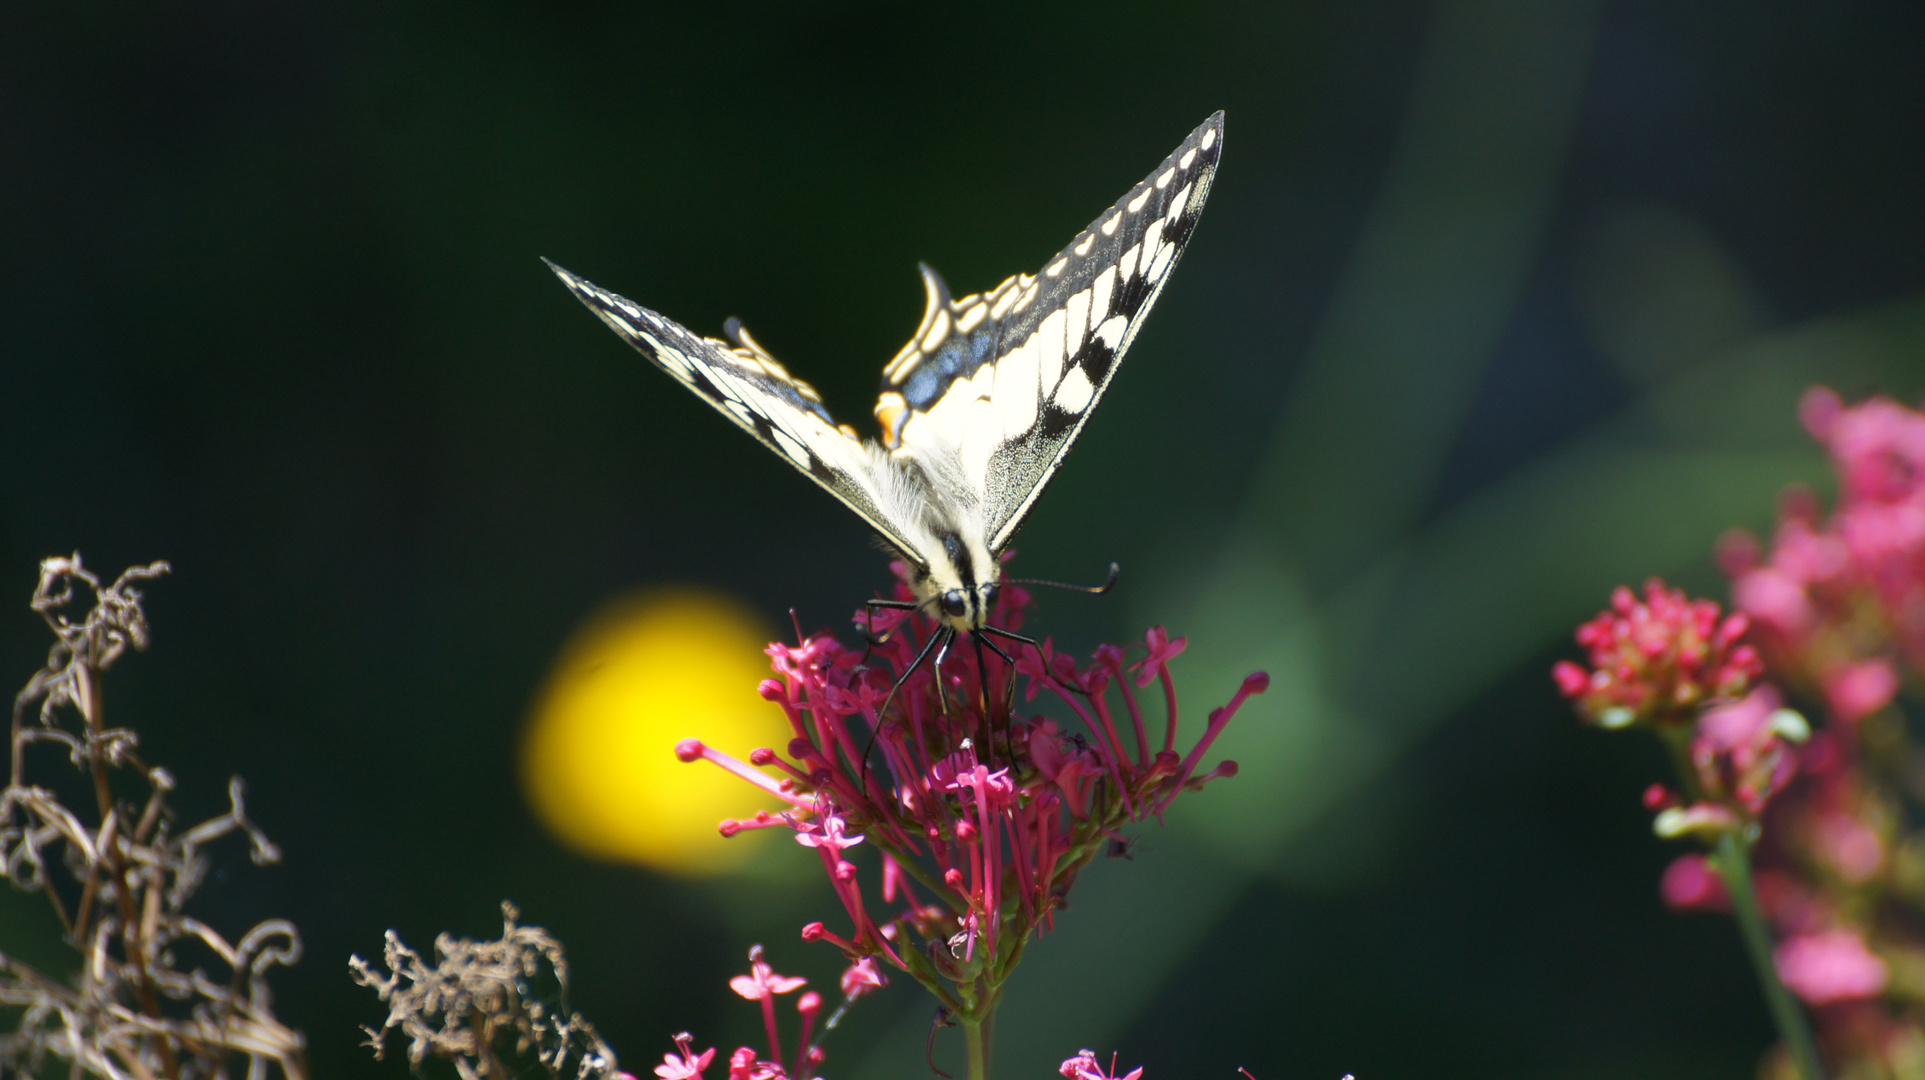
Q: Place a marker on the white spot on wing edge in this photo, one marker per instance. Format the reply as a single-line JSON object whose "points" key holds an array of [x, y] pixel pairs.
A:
{"points": [[1075, 392], [1088, 242], [1137, 203], [1109, 227], [1164, 180], [1184, 161], [967, 320], [1209, 138], [1056, 267]]}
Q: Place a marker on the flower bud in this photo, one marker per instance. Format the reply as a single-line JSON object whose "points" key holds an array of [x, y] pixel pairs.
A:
{"points": [[1699, 819]]}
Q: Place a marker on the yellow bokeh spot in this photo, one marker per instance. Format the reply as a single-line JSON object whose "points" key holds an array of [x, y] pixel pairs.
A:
{"points": [[643, 674]]}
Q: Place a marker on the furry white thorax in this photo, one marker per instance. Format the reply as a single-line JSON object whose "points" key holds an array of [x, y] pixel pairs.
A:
{"points": [[957, 574]]}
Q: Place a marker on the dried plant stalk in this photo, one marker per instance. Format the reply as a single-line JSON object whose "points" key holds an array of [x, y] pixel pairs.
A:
{"points": [[160, 995], [483, 1007]]}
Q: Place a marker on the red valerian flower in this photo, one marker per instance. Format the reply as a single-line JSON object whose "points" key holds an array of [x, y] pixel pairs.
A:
{"points": [[981, 809], [1833, 592], [685, 1064], [1084, 1066], [1658, 660], [762, 984], [1740, 751], [862, 977], [1830, 966]]}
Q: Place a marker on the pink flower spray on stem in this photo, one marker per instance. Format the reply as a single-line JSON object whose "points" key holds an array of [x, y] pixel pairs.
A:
{"points": [[980, 811]]}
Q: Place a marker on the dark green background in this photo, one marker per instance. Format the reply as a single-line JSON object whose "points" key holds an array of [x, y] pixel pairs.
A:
{"points": [[1496, 305]]}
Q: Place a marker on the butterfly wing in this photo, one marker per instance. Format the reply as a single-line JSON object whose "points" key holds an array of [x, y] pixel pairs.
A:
{"points": [[998, 385], [748, 386]]}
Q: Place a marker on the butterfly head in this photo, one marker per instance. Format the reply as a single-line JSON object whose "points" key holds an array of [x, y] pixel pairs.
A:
{"points": [[962, 582]]}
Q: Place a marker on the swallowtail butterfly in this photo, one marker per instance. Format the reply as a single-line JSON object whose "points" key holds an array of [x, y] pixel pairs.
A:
{"points": [[978, 410]]}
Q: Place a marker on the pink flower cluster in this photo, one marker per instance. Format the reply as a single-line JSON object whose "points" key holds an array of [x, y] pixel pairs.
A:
{"points": [[1837, 606], [1841, 602], [1658, 660], [1677, 664], [762, 984], [981, 811]]}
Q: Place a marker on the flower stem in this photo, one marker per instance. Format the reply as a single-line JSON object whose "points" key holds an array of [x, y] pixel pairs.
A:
{"points": [[976, 1037], [1733, 860]]}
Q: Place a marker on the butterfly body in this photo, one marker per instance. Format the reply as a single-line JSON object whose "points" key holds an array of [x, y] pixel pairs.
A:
{"points": [[979, 408]]}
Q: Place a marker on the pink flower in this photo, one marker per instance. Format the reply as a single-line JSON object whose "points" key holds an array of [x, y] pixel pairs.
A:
{"points": [[1072, 768], [1830, 966], [1739, 751], [744, 1065], [1775, 599], [1690, 884], [762, 984], [828, 832], [1852, 848], [685, 1063], [1162, 649], [1862, 689], [1879, 446], [1084, 1066], [762, 981], [862, 977]]}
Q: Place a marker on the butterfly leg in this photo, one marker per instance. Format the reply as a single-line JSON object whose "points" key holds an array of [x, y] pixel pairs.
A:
{"points": [[882, 714], [948, 637], [982, 683], [1010, 691], [869, 635]]}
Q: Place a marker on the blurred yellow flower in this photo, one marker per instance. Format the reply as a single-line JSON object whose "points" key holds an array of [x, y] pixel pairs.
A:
{"points": [[598, 761]]}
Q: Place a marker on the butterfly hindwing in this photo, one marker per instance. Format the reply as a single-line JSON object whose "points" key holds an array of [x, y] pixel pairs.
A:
{"points": [[998, 385], [749, 387]]}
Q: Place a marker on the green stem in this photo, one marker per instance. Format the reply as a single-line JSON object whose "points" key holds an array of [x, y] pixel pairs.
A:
{"points": [[1733, 860], [976, 1037]]}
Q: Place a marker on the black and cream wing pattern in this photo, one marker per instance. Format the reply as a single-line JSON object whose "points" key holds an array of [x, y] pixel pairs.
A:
{"points": [[979, 408]]}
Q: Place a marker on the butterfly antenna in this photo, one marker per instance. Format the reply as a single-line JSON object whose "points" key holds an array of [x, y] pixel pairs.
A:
{"points": [[1093, 590]]}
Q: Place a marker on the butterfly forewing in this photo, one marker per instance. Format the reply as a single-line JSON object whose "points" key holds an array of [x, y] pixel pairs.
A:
{"points": [[750, 388], [1000, 384]]}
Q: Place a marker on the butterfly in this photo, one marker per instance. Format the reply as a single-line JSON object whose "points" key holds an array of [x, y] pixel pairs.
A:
{"points": [[979, 409]]}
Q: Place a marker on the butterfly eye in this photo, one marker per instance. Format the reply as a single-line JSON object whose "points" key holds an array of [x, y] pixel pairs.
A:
{"points": [[990, 592], [954, 604]]}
